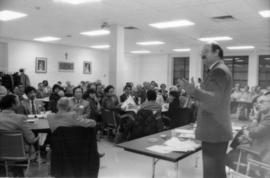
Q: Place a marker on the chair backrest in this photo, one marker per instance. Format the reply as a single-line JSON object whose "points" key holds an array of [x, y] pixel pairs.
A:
{"points": [[262, 168], [235, 174], [108, 117], [74, 152], [11, 145], [145, 124]]}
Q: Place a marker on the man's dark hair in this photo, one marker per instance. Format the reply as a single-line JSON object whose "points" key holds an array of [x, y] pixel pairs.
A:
{"points": [[127, 86], [78, 87], [91, 91], [151, 95], [107, 89], [217, 47], [21, 70], [7, 101], [56, 87], [29, 89]]}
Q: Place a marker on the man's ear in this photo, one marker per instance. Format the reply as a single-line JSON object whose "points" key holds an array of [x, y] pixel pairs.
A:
{"points": [[217, 52]]}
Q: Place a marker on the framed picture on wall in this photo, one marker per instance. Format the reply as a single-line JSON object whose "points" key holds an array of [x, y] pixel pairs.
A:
{"points": [[66, 66], [87, 67], [41, 65]]}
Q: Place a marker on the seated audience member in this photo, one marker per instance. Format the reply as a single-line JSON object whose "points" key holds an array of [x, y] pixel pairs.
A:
{"points": [[236, 93], [46, 88], [94, 104], [54, 97], [126, 94], [110, 100], [78, 104], [174, 102], [151, 103], [140, 94], [31, 105], [65, 117], [245, 94], [258, 132], [68, 89], [100, 92], [160, 99], [83, 86], [10, 121], [3, 90], [40, 93], [164, 92]]}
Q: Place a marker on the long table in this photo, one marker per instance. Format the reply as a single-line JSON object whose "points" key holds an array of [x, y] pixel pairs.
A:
{"points": [[38, 123], [139, 146]]}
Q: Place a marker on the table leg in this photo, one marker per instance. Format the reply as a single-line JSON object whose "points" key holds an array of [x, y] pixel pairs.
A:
{"points": [[177, 170], [154, 162]]}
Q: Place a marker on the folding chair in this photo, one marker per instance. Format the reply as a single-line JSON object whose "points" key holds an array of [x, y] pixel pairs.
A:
{"points": [[109, 120], [12, 151], [250, 164]]}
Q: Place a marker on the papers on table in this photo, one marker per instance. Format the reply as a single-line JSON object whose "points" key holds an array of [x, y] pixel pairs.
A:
{"points": [[184, 133], [32, 120], [159, 149], [165, 107], [183, 146], [129, 101], [174, 144]]}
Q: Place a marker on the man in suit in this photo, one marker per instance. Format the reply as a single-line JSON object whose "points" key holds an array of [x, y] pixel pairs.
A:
{"points": [[10, 121], [213, 120], [31, 105]]}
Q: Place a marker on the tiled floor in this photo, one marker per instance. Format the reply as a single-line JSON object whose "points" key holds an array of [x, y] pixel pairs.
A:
{"points": [[118, 163]]}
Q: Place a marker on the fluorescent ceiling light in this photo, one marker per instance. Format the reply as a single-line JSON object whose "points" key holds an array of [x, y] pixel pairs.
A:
{"points": [[76, 2], [96, 33], [172, 24], [47, 39], [218, 38], [140, 52], [147, 43], [240, 47], [265, 13], [7, 15], [100, 46], [182, 50]]}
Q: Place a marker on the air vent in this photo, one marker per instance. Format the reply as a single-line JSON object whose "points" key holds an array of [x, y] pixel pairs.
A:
{"points": [[224, 18], [131, 28]]}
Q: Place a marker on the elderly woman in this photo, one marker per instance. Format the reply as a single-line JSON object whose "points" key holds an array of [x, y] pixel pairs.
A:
{"points": [[65, 117]]}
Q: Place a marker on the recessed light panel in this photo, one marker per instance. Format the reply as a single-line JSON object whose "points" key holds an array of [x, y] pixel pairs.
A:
{"points": [[7, 15], [172, 24]]}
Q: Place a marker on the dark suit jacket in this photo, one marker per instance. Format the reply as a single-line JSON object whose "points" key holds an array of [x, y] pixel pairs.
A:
{"points": [[74, 152], [213, 119]]}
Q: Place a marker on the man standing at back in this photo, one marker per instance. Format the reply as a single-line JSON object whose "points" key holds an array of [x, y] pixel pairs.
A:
{"points": [[213, 121]]}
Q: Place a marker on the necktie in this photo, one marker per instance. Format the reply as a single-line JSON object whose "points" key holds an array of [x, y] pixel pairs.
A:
{"points": [[33, 107]]}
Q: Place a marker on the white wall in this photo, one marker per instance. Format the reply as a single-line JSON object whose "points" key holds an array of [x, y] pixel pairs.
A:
{"points": [[155, 67], [22, 54], [136, 68], [3, 57]]}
